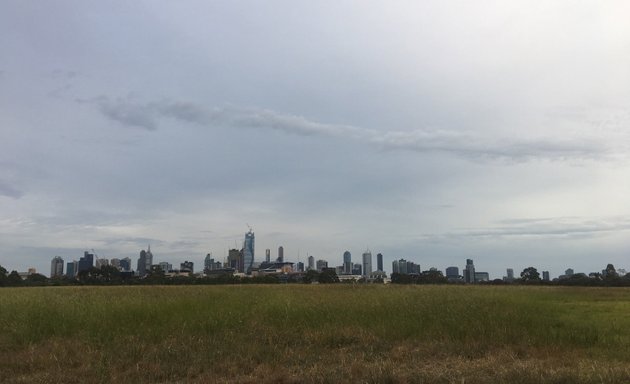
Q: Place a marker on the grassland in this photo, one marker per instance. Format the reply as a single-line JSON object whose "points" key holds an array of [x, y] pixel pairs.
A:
{"points": [[314, 334]]}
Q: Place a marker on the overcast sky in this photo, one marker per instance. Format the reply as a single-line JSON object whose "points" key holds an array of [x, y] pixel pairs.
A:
{"points": [[433, 131]]}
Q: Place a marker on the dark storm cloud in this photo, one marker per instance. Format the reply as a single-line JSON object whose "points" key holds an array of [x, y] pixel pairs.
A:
{"points": [[147, 115]]}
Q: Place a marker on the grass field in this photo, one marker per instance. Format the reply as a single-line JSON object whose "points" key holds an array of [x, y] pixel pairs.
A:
{"points": [[316, 334]]}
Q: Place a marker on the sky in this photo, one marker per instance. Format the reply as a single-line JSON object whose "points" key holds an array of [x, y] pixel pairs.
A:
{"points": [[433, 131]]}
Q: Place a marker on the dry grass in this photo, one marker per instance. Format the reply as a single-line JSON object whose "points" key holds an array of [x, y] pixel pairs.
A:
{"points": [[314, 334]]}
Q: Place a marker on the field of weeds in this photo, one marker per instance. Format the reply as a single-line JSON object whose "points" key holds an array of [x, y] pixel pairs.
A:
{"points": [[314, 334]]}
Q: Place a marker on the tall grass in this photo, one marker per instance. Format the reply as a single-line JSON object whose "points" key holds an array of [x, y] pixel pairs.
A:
{"points": [[314, 334]]}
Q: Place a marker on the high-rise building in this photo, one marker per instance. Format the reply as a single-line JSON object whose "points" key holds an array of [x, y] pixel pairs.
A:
{"points": [[100, 262], [452, 273], [72, 268], [469, 272], [187, 266], [248, 251], [280, 254], [482, 276], [125, 264], [56, 267], [379, 262], [569, 272], [235, 259], [149, 259], [356, 269], [267, 255], [209, 264], [300, 266], [115, 263], [545, 276], [367, 263], [86, 262], [165, 266], [347, 263], [142, 264], [311, 263], [321, 264], [509, 275]]}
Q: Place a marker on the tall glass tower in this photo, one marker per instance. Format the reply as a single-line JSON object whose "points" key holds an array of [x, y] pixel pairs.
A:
{"points": [[248, 251]]}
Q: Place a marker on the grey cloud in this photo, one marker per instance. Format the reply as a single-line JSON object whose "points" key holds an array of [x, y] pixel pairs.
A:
{"points": [[130, 113], [543, 228], [10, 191]]}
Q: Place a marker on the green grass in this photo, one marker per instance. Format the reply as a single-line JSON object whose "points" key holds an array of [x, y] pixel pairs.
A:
{"points": [[297, 333]]}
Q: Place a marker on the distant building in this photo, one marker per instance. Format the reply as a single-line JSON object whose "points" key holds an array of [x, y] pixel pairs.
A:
{"points": [[299, 267], [281, 254], [357, 269], [235, 260], [311, 263], [367, 263], [86, 262], [209, 264], [321, 264], [379, 262], [72, 268], [268, 255], [469, 272], [125, 264], [165, 266], [101, 262], [187, 266], [482, 276], [510, 275], [569, 272], [56, 267], [405, 267], [545, 275], [347, 263], [115, 263], [248, 252], [452, 274]]}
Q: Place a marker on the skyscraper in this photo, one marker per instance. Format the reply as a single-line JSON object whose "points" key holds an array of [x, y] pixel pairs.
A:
{"points": [[379, 262], [72, 268], [248, 251], [125, 264], [452, 273], [469, 272], [367, 263], [86, 262], [235, 259], [142, 263], [347, 263], [149, 259], [311, 263], [56, 267], [280, 254], [267, 255]]}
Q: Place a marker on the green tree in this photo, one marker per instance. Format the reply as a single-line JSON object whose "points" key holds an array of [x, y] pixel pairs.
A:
{"points": [[310, 276], [611, 272], [3, 276], [36, 279], [530, 275], [328, 276], [14, 279]]}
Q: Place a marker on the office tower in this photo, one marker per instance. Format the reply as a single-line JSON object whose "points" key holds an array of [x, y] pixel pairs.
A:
{"points": [[56, 267], [187, 266], [280, 254], [86, 262], [482, 276], [248, 251], [545, 276], [367, 263], [101, 262], [569, 272], [142, 264], [510, 275], [165, 266], [235, 259], [321, 264], [267, 255], [452, 273], [207, 262], [72, 268], [311, 263], [148, 259], [469, 272], [115, 263], [356, 269], [379, 262], [347, 263], [300, 266], [125, 264]]}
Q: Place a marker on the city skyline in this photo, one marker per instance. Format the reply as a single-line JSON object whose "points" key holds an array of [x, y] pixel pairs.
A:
{"points": [[435, 131]]}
